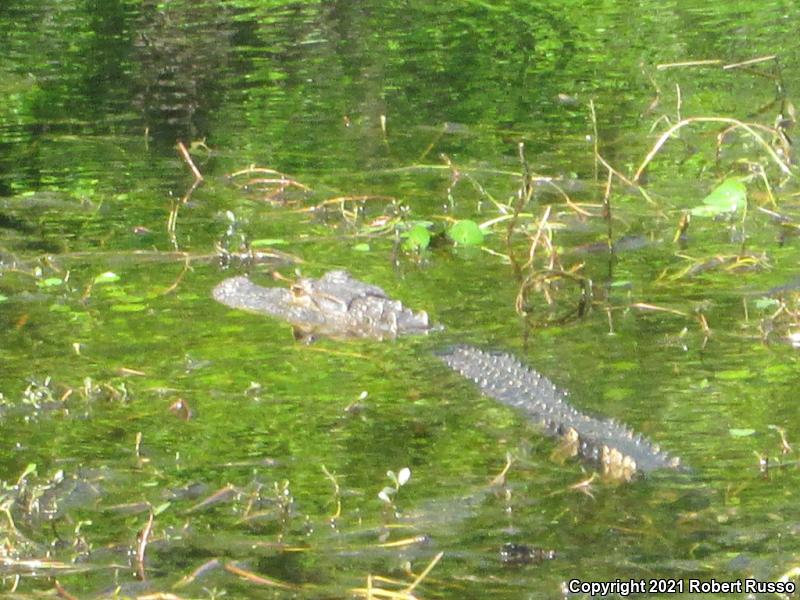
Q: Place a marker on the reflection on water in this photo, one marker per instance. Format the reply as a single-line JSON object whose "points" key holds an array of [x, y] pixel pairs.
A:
{"points": [[382, 115]]}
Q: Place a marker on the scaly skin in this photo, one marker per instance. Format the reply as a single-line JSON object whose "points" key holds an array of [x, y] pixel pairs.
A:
{"points": [[337, 305], [621, 453]]}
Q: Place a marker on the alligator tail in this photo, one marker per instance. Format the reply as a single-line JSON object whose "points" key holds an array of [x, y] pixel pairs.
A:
{"points": [[619, 451]]}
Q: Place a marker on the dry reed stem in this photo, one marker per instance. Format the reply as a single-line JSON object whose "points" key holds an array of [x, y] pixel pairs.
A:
{"points": [[500, 478], [537, 235], [258, 579], [144, 538], [627, 181], [785, 144], [375, 592], [595, 140], [424, 573], [749, 128], [35, 565], [607, 212], [494, 221], [569, 202], [688, 63], [181, 275], [752, 61], [223, 494], [336, 492], [195, 184], [656, 308], [172, 220], [187, 158], [599, 158], [283, 179], [61, 592], [343, 199], [417, 539], [406, 593]]}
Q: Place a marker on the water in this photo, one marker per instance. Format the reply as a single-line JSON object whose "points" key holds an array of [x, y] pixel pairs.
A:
{"points": [[420, 109]]}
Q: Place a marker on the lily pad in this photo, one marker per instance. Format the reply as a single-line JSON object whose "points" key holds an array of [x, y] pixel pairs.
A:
{"points": [[417, 238], [728, 197], [466, 232], [107, 277]]}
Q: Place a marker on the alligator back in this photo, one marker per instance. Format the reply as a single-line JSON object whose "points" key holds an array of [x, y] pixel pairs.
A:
{"points": [[621, 453]]}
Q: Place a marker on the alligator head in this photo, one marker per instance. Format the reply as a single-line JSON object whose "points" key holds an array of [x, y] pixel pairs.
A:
{"points": [[335, 305]]}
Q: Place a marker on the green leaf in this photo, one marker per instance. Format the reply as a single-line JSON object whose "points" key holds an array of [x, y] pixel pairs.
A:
{"points": [[107, 277], [161, 508], [417, 238], [766, 303], [734, 374], [421, 223], [403, 476], [466, 232], [29, 470], [362, 247], [778, 371], [3, 298], [728, 197], [741, 432], [626, 365], [50, 282], [128, 308], [263, 243], [617, 393]]}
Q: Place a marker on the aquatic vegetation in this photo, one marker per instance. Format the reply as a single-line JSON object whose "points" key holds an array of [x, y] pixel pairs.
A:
{"points": [[529, 174]]}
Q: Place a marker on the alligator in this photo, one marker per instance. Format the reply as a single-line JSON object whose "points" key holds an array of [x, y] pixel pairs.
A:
{"points": [[335, 305], [339, 306]]}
